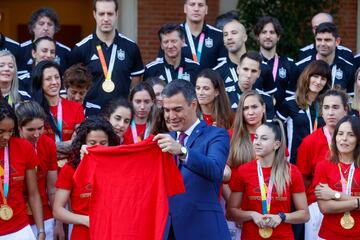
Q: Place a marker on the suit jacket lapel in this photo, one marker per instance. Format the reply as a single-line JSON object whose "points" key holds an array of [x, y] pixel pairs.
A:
{"points": [[195, 133]]}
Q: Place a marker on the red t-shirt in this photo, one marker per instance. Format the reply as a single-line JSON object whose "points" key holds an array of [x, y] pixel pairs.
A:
{"points": [[328, 172], [79, 198], [46, 153], [22, 157], [208, 119], [73, 114], [131, 186], [245, 179], [313, 149], [128, 136]]}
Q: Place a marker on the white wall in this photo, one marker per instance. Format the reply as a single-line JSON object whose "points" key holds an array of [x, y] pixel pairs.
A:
{"points": [[227, 5], [128, 16]]}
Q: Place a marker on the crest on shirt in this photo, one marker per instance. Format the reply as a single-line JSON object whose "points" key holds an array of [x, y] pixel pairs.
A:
{"points": [[339, 74], [209, 42], [121, 54], [30, 61], [186, 76], [57, 59], [282, 72]]}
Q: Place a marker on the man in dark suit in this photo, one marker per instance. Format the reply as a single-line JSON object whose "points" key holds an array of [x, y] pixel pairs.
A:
{"points": [[201, 152]]}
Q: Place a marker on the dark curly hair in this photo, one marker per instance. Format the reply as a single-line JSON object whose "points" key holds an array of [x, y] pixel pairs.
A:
{"points": [[92, 123], [6, 111]]}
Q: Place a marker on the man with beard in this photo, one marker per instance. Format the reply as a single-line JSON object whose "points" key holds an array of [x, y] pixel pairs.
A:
{"points": [[326, 40], [268, 31]]}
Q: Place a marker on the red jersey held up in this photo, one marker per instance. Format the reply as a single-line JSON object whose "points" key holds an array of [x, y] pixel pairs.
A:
{"points": [[244, 179], [131, 185]]}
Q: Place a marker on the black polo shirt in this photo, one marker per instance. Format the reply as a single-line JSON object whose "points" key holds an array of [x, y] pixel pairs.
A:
{"points": [[12, 46], [341, 51], [356, 62], [235, 94], [61, 58], [213, 49], [128, 63], [341, 70], [228, 71], [160, 68], [284, 75], [297, 123]]}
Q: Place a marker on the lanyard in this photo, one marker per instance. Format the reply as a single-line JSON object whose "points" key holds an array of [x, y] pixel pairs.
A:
{"points": [[10, 100], [58, 138], [327, 135], [346, 184], [168, 74], [265, 191], [275, 66], [107, 72], [4, 188], [137, 138], [333, 75], [234, 75], [196, 55], [312, 127]]}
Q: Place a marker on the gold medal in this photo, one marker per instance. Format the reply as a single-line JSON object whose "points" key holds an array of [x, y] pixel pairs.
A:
{"points": [[265, 232], [6, 212], [347, 221], [108, 85]]}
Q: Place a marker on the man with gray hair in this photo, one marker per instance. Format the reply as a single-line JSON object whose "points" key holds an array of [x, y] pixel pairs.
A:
{"points": [[44, 22]]}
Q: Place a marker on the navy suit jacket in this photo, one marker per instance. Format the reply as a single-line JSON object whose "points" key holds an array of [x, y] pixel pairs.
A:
{"points": [[197, 214]]}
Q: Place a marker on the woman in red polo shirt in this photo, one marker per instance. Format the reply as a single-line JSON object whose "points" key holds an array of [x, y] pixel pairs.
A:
{"points": [[338, 181], [17, 170], [142, 98], [316, 147], [93, 131], [263, 189], [62, 115], [213, 100], [31, 119]]}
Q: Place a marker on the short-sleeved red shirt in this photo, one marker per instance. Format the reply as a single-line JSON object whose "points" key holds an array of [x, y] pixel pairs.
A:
{"points": [[313, 149], [73, 114], [327, 172], [46, 153], [22, 157], [79, 198], [245, 179], [131, 186]]}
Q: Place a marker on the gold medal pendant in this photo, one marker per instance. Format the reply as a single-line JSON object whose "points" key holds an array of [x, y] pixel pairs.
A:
{"points": [[347, 221], [108, 85], [6, 212], [265, 232]]}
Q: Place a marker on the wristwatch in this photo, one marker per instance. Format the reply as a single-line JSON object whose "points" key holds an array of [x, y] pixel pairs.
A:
{"points": [[183, 151], [337, 195], [282, 216]]}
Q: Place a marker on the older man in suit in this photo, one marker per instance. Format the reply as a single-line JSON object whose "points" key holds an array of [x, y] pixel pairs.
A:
{"points": [[201, 152]]}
